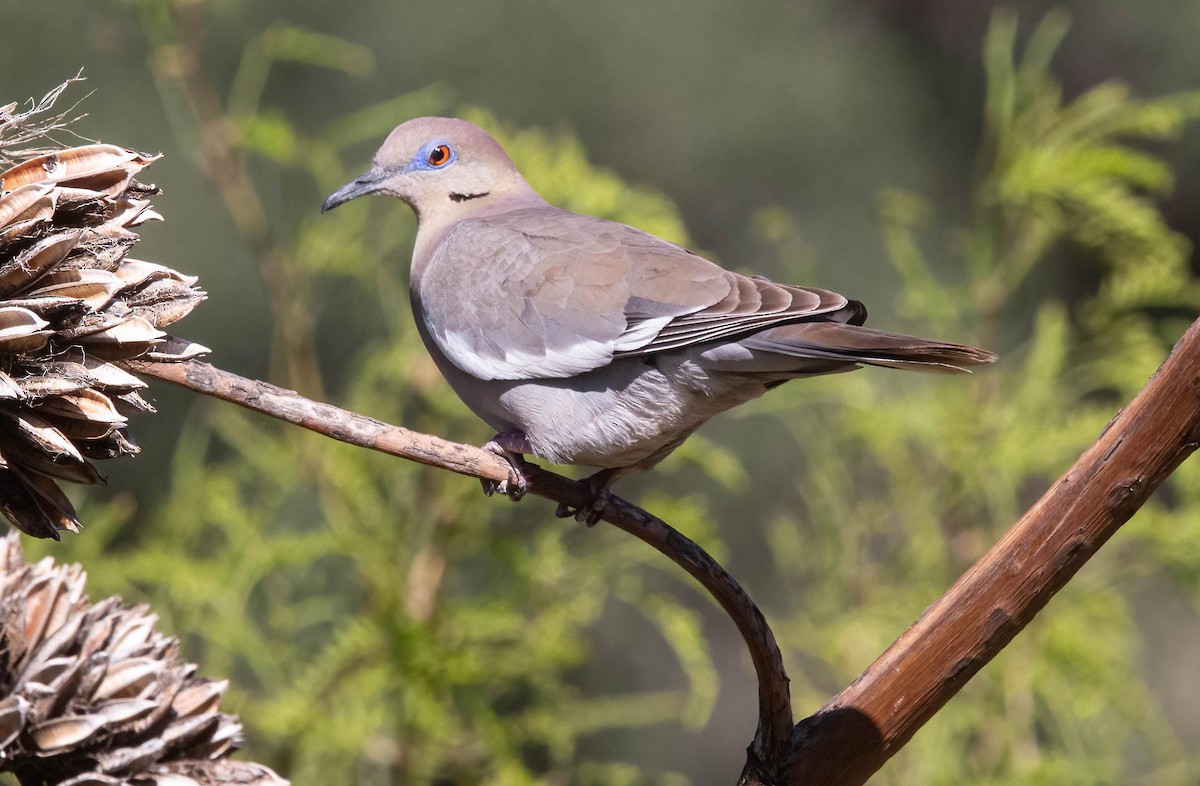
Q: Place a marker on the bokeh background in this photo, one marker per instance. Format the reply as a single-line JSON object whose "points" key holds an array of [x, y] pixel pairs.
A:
{"points": [[972, 172]]}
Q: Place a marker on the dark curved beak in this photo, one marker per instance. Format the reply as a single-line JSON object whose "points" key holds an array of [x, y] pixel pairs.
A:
{"points": [[367, 183]]}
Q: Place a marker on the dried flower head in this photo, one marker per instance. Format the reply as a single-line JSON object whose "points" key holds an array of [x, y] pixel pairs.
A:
{"points": [[93, 694], [71, 303]]}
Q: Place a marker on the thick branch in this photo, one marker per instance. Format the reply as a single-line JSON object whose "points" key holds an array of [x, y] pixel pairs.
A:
{"points": [[852, 736], [772, 741], [864, 725]]}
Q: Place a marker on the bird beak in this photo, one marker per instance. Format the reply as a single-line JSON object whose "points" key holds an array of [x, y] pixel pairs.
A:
{"points": [[369, 183]]}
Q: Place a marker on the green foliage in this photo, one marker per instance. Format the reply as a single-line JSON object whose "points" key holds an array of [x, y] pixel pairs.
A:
{"points": [[383, 623], [908, 482]]}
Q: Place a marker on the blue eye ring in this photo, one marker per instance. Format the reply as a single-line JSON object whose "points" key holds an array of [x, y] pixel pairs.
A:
{"points": [[437, 154]]}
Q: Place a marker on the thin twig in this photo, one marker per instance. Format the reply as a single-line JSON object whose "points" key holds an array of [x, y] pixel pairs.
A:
{"points": [[772, 741], [852, 736]]}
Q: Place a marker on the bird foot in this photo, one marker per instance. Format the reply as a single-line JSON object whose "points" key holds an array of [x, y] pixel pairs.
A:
{"points": [[510, 446], [599, 494]]}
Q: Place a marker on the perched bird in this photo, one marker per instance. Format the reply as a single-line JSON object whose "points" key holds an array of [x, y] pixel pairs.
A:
{"points": [[586, 341]]}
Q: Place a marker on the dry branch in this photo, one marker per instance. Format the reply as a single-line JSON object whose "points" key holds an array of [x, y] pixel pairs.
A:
{"points": [[853, 735], [774, 733]]}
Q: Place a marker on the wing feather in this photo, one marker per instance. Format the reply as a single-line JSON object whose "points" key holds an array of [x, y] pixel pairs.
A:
{"points": [[542, 292]]}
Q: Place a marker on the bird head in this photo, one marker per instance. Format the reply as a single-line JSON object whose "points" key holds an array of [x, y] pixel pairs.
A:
{"points": [[438, 166]]}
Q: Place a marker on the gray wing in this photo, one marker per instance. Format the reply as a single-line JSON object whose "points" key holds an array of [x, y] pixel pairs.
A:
{"points": [[542, 292]]}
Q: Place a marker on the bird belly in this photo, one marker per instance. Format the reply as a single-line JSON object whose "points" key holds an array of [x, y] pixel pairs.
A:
{"points": [[626, 414], [630, 413]]}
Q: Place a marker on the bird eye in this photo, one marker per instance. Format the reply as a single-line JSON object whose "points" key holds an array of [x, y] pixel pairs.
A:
{"points": [[439, 155]]}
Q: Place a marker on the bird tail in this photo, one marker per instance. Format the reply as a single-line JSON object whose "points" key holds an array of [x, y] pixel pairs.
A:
{"points": [[805, 348]]}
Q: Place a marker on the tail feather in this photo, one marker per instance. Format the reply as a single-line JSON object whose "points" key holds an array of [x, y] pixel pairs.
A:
{"points": [[824, 347]]}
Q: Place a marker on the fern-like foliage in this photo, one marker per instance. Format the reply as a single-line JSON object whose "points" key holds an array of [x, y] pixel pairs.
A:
{"points": [[383, 623], [908, 482]]}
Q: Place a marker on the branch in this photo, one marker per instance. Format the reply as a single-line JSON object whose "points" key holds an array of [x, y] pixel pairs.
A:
{"points": [[858, 730], [773, 738], [852, 736]]}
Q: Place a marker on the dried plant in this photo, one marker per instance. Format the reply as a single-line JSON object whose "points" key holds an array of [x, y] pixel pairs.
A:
{"points": [[92, 694], [71, 302], [27, 133]]}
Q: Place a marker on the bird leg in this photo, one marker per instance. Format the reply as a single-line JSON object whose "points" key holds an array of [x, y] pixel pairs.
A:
{"points": [[599, 491], [510, 446]]}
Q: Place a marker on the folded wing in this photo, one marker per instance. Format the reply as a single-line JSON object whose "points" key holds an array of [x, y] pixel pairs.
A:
{"points": [[549, 293]]}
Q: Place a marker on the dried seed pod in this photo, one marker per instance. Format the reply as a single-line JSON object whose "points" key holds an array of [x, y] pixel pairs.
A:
{"points": [[71, 304], [93, 694]]}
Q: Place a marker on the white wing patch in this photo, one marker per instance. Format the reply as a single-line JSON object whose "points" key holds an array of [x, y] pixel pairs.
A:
{"points": [[640, 333], [575, 356]]}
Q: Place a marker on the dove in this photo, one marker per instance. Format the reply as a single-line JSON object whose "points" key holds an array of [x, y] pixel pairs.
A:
{"points": [[585, 341]]}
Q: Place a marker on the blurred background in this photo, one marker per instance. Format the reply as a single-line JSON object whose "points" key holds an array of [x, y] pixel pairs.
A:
{"points": [[1025, 177]]}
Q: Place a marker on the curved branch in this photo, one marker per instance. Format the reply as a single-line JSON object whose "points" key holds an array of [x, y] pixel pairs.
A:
{"points": [[852, 736], [773, 738], [858, 730]]}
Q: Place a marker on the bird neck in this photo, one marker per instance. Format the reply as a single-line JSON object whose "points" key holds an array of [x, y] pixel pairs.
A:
{"points": [[436, 218]]}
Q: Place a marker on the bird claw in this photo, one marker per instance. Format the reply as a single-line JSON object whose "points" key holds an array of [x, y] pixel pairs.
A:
{"points": [[598, 495], [509, 447], [589, 513], [514, 487]]}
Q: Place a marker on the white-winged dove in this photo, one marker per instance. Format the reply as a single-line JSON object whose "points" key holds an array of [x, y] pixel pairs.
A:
{"points": [[585, 341]]}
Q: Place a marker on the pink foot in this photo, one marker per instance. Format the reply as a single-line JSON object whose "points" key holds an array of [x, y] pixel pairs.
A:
{"points": [[509, 445]]}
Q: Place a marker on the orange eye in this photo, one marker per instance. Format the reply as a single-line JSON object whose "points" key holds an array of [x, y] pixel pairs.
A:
{"points": [[439, 155]]}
